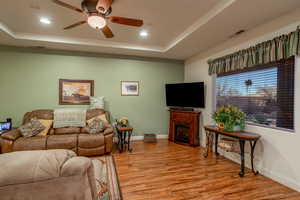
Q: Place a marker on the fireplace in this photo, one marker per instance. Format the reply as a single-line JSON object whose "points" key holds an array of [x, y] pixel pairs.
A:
{"points": [[184, 127], [182, 132]]}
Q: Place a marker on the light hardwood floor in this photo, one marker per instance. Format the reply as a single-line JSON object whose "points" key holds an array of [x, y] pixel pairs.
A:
{"points": [[168, 171]]}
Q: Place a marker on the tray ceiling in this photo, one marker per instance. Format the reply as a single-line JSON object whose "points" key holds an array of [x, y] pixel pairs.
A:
{"points": [[177, 29]]}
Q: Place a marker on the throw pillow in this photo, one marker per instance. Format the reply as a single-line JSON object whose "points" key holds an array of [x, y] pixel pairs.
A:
{"points": [[100, 117], [97, 102], [32, 128], [96, 126], [47, 124]]}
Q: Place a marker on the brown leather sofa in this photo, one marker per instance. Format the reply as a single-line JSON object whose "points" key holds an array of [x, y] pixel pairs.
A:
{"points": [[73, 138]]}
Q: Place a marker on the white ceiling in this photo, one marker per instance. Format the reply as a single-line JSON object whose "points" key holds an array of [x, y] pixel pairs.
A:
{"points": [[178, 29]]}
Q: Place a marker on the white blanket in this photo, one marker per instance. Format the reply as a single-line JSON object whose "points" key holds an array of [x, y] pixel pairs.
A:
{"points": [[69, 117]]}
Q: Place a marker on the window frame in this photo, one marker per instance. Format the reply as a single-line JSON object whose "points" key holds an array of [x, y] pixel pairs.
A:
{"points": [[288, 61]]}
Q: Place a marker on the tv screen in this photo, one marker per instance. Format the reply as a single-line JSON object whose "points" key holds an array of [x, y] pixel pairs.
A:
{"points": [[5, 126], [185, 95]]}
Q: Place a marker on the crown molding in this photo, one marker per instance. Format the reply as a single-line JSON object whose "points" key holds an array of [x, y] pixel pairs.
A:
{"points": [[85, 54]]}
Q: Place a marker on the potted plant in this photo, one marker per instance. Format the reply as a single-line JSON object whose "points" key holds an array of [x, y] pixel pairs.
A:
{"points": [[229, 118]]}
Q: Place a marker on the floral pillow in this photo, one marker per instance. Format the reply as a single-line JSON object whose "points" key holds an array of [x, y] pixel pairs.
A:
{"points": [[47, 124], [96, 126], [32, 128], [101, 117]]}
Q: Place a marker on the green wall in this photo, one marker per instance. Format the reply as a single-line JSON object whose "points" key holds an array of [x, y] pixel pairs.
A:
{"points": [[29, 80]]}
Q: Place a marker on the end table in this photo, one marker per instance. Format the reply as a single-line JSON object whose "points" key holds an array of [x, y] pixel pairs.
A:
{"points": [[124, 135]]}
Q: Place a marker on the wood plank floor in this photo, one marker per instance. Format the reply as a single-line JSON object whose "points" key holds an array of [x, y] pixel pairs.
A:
{"points": [[168, 171]]}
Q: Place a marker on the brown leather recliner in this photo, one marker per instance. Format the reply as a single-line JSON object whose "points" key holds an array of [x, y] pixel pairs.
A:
{"points": [[73, 138]]}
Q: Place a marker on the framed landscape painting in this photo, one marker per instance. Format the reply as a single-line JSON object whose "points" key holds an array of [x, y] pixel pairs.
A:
{"points": [[130, 88], [75, 92]]}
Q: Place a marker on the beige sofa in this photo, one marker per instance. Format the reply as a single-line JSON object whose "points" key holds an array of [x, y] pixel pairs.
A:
{"points": [[47, 175]]}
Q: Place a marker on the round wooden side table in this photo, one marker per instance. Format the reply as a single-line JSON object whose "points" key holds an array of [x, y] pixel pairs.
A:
{"points": [[124, 135]]}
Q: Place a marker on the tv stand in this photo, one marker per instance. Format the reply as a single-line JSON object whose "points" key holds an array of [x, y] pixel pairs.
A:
{"points": [[182, 108]]}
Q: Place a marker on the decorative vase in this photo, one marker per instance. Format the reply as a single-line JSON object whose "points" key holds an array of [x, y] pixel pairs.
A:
{"points": [[230, 127]]}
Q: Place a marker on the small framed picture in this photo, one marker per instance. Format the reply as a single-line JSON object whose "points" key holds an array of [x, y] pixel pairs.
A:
{"points": [[75, 92], [130, 88]]}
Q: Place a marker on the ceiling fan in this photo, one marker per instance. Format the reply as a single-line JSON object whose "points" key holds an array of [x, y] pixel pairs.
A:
{"points": [[97, 13]]}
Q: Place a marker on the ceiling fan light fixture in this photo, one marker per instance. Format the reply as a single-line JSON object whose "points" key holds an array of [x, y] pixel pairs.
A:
{"points": [[96, 21]]}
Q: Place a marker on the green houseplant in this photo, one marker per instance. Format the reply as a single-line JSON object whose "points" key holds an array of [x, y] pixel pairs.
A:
{"points": [[229, 118]]}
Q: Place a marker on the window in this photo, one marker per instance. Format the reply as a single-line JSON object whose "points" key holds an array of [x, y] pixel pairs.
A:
{"points": [[264, 93]]}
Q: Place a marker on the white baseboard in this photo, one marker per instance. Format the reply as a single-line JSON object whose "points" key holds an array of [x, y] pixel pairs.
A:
{"points": [[281, 179], [141, 137], [266, 172]]}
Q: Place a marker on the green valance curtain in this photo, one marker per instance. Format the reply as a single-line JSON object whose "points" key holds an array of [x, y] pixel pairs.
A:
{"points": [[281, 47]]}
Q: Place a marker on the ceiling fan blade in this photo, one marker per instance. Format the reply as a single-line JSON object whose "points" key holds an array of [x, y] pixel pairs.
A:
{"points": [[107, 32], [103, 5], [126, 21], [74, 25], [63, 4]]}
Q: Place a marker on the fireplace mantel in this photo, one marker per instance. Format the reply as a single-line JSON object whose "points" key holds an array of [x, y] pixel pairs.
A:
{"points": [[184, 123]]}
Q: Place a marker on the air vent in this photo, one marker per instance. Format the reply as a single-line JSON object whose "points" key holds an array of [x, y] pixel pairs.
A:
{"points": [[237, 33]]}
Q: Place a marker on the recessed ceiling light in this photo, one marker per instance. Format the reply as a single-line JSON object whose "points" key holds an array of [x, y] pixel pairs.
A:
{"points": [[45, 20], [143, 33]]}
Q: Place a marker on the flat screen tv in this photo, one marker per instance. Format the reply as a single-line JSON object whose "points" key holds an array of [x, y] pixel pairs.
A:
{"points": [[185, 95]]}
